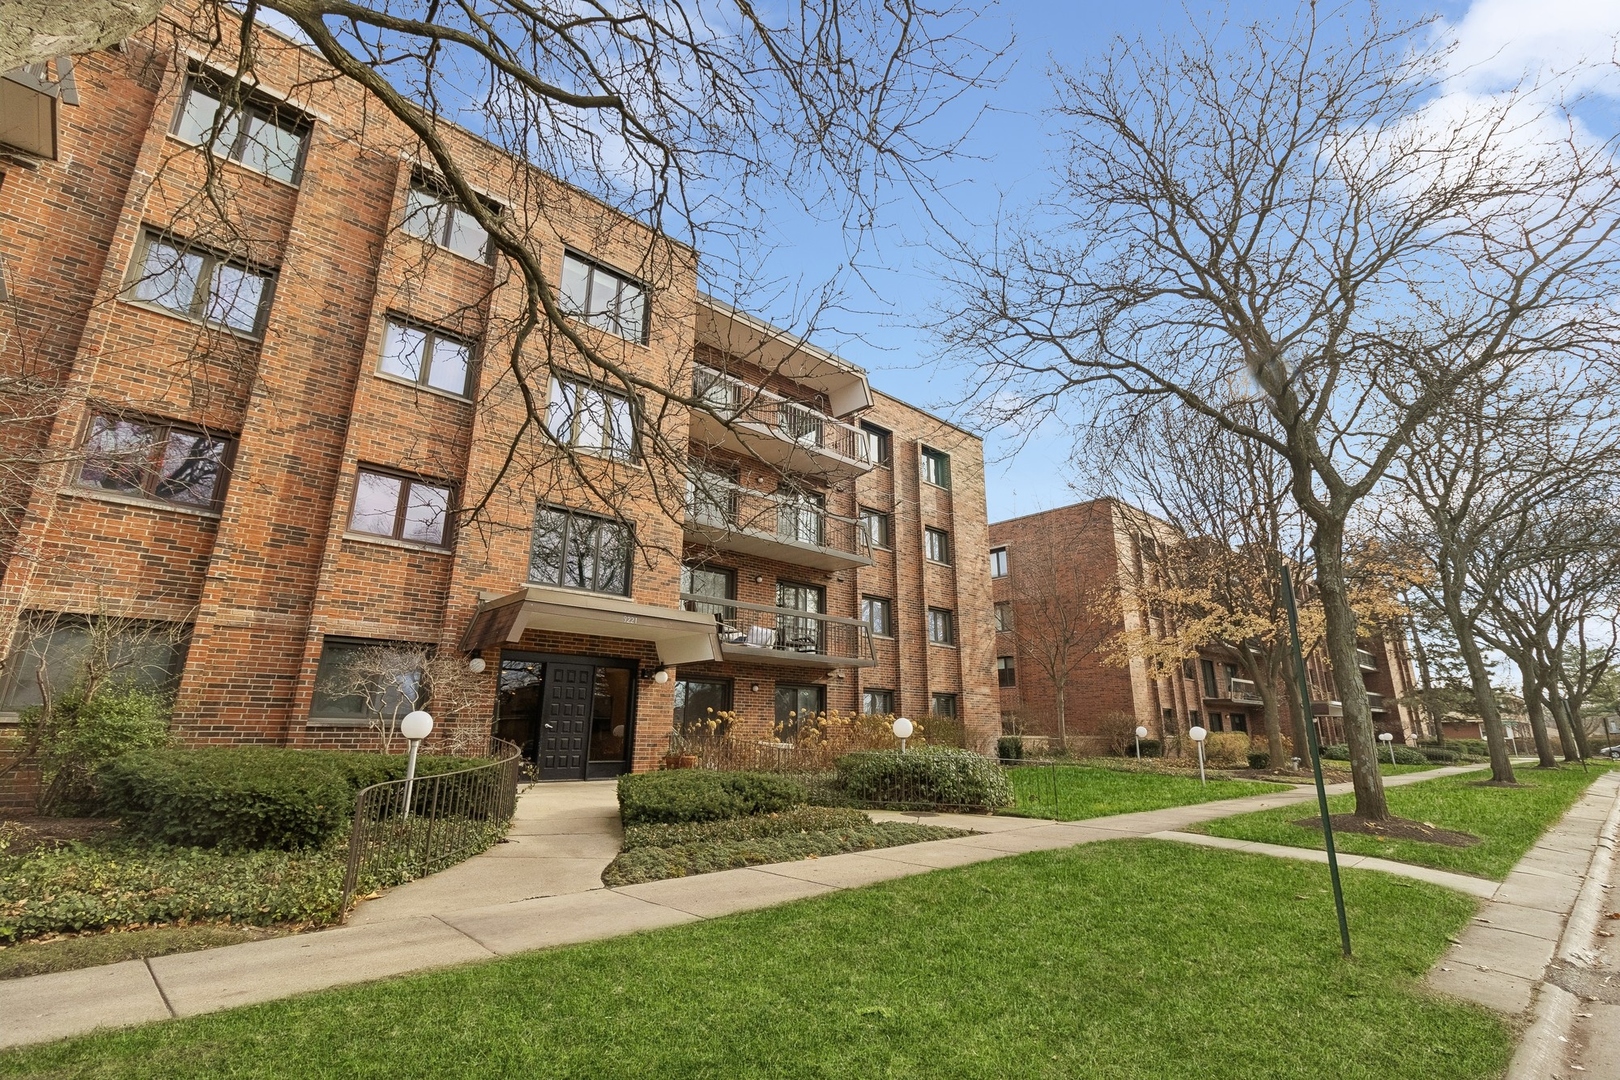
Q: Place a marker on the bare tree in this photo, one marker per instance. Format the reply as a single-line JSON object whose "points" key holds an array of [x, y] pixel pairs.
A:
{"points": [[1289, 221], [389, 681], [1059, 621]]}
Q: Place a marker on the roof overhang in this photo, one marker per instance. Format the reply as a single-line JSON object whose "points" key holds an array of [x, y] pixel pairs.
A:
{"points": [[737, 333], [682, 637]]}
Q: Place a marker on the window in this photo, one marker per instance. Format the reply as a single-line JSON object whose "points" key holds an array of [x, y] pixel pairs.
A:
{"points": [[944, 705], [1215, 722], [261, 133], [426, 357], [698, 705], [591, 418], [580, 551], [128, 653], [711, 582], [878, 615], [801, 515], [936, 467], [1239, 721], [711, 497], [801, 633], [877, 445], [877, 702], [1005, 675], [604, 299], [155, 460], [198, 284], [937, 545], [878, 526], [998, 562], [795, 704], [941, 626], [433, 214], [400, 507], [1210, 688], [368, 680], [1003, 612]]}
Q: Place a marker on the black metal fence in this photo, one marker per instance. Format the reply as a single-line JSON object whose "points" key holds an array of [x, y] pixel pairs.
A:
{"points": [[408, 829]]}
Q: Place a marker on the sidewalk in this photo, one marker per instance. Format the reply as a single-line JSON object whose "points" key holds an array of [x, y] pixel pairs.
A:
{"points": [[543, 888]]}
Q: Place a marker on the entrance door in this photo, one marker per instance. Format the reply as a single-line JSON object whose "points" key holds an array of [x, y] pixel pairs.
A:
{"points": [[565, 720]]}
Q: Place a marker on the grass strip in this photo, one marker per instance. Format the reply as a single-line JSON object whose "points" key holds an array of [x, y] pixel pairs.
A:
{"points": [[94, 950], [1088, 791], [1097, 961], [1508, 820]]}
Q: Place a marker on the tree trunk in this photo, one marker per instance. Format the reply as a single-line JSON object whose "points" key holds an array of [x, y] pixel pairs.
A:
{"points": [[1534, 715], [1296, 713], [1063, 725], [1328, 544], [1428, 688], [1566, 735], [1479, 678]]}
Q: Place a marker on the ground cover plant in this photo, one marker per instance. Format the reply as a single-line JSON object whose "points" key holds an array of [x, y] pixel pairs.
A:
{"points": [[1507, 820], [1110, 973], [43, 956], [652, 852], [1088, 791]]}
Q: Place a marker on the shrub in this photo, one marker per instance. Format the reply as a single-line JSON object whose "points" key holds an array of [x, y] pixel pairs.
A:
{"points": [[80, 734], [1405, 755], [1010, 748], [1471, 747], [1150, 748], [931, 775], [1259, 759], [247, 797], [1336, 753], [704, 795], [1119, 729], [1226, 749], [1439, 755]]}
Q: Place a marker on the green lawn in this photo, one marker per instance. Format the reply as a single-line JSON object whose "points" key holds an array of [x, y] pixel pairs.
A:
{"points": [[1087, 791], [1126, 960], [1507, 819]]}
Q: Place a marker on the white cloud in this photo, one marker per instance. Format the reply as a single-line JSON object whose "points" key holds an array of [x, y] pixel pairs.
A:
{"points": [[1500, 42]]}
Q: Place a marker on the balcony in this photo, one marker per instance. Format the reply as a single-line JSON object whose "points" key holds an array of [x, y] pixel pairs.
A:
{"points": [[731, 517], [761, 634], [1366, 661], [1244, 691], [787, 435]]}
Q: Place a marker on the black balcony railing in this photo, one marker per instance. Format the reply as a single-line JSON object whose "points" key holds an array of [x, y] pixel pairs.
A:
{"points": [[715, 504], [785, 635], [739, 402]]}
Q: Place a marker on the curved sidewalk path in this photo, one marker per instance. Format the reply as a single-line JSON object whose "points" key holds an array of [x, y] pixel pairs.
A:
{"points": [[543, 888]]}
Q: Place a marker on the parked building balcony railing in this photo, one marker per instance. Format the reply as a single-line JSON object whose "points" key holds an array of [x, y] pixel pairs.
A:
{"points": [[762, 634], [787, 434], [783, 527], [1366, 660]]}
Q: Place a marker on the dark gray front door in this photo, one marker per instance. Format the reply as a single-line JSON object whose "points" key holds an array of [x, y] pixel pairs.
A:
{"points": [[565, 721]]}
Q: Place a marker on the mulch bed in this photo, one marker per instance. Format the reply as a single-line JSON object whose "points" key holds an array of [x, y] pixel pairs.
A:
{"points": [[1393, 829], [32, 833]]}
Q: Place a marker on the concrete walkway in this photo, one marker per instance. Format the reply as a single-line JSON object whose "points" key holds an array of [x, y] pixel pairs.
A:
{"points": [[543, 888]]}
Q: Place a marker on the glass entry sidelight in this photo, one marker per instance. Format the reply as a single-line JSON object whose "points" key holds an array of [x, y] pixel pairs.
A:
{"points": [[573, 716]]}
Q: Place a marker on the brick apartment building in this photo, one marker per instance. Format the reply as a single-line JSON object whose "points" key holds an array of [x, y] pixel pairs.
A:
{"points": [[1079, 557], [268, 419]]}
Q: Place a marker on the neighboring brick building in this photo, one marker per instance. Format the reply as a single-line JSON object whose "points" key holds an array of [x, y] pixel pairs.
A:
{"points": [[1048, 566], [262, 433]]}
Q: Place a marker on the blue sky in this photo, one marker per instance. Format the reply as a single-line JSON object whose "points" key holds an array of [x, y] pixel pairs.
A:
{"points": [[883, 324]]}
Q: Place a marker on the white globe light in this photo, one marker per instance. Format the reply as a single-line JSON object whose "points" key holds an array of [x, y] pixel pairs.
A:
{"points": [[903, 728], [1197, 733], [660, 676], [1384, 736], [1141, 732], [416, 725], [476, 665]]}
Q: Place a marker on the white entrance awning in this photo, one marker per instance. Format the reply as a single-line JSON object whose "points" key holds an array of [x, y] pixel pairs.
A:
{"points": [[682, 637]]}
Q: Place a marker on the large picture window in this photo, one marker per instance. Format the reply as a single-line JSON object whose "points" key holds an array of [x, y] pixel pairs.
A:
{"points": [[426, 357], [591, 418], [154, 460], [795, 705], [261, 133], [370, 681], [63, 648], [432, 214], [580, 551], [699, 704], [400, 507], [604, 299], [198, 284]]}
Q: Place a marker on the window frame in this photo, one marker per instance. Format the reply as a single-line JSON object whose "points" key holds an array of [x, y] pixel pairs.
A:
{"points": [[728, 611], [729, 696], [942, 467], [1001, 616], [888, 695], [152, 474], [196, 309], [255, 104], [407, 482], [871, 604], [580, 387], [948, 622], [23, 658], [592, 268], [884, 440], [867, 514], [950, 700], [423, 182], [1006, 672], [432, 335], [419, 699], [937, 545], [998, 564], [598, 522], [779, 721]]}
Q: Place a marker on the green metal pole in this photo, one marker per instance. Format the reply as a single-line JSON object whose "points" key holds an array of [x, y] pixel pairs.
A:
{"points": [[1314, 744]]}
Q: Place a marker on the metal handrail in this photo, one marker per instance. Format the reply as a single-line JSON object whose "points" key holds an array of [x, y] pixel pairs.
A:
{"points": [[734, 400], [724, 504], [451, 815], [785, 629]]}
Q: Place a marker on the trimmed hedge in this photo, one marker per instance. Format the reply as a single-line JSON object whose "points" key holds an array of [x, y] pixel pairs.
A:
{"points": [[1439, 755], [244, 798], [930, 775], [681, 795], [1336, 753], [799, 819], [1405, 755]]}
